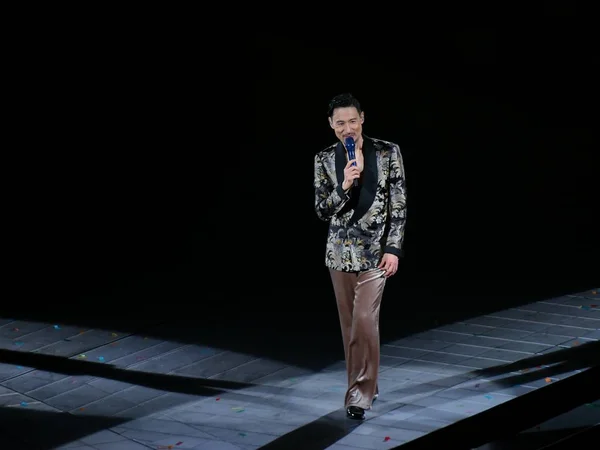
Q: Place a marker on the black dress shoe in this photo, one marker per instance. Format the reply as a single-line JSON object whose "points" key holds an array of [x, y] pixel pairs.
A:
{"points": [[355, 412]]}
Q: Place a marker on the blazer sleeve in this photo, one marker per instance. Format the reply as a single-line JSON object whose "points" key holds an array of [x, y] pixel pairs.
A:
{"points": [[397, 204], [329, 199]]}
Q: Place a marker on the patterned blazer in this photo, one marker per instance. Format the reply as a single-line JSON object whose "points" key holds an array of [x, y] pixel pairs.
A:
{"points": [[368, 220]]}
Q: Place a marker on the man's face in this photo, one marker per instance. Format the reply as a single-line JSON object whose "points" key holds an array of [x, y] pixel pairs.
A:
{"points": [[347, 122]]}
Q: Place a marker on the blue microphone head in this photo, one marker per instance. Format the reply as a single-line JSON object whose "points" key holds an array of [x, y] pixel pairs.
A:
{"points": [[349, 141]]}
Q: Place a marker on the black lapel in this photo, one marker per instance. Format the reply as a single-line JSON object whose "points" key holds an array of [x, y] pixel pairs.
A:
{"points": [[369, 185], [340, 162]]}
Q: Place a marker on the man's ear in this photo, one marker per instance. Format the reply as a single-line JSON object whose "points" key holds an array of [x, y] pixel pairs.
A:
{"points": [[362, 117], [330, 122]]}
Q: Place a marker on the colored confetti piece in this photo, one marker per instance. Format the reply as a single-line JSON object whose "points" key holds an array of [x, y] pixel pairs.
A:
{"points": [[114, 334], [593, 405], [575, 343], [387, 438], [218, 398], [238, 409], [82, 356], [488, 396], [23, 403], [587, 308], [594, 306], [548, 380], [242, 434], [594, 292], [101, 358], [56, 327], [15, 329], [19, 343], [19, 367]]}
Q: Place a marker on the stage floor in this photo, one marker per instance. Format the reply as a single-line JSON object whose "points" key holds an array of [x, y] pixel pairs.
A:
{"points": [[67, 387]]}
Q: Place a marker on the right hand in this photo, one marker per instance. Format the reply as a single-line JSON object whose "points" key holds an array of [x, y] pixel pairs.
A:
{"points": [[350, 174]]}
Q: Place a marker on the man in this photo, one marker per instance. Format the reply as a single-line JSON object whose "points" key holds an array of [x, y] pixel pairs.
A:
{"points": [[364, 241]]}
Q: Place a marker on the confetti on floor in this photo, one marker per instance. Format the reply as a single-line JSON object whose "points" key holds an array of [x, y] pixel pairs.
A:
{"points": [[169, 444]]}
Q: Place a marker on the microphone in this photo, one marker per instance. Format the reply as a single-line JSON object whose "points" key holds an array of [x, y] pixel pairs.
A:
{"points": [[349, 141]]}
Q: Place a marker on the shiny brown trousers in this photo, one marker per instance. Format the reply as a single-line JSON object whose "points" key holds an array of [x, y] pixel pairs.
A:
{"points": [[358, 296]]}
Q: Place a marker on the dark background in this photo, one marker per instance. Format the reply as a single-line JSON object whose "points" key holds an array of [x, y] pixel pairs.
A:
{"points": [[170, 174]]}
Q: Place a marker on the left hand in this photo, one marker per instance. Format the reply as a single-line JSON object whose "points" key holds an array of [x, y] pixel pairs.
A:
{"points": [[389, 263]]}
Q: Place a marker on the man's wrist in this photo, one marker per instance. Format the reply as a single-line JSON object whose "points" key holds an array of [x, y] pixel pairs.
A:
{"points": [[341, 191]]}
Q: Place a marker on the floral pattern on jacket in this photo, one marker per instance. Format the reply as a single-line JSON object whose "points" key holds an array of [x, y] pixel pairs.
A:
{"points": [[367, 221]]}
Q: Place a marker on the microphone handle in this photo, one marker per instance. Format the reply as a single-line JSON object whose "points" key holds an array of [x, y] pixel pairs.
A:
{"points": [[351, 155]]}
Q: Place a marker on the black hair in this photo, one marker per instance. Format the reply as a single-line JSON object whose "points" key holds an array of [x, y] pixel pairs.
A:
{"points": [[343, 101]]}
